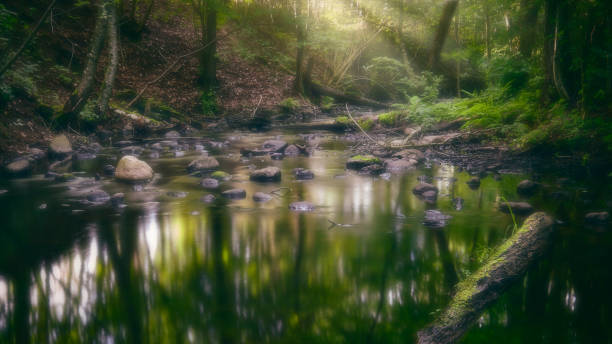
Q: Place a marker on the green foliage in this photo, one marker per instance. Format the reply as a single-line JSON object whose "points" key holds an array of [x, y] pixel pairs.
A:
{"points": [[19, 81], [208, 103], [390, 119], [327, 103], [366, 123], [343, 120], [289, 104]]}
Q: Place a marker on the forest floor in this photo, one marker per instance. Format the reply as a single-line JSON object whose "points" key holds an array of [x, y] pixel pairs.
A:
{"points": [[244, 84]]}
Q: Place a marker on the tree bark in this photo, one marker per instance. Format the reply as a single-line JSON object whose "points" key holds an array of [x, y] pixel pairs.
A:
{"points": [[320, 90], [442, 32], [111, 69], [79, 96], [529, 17], [301, 42], [208, 67], [507, 266]]}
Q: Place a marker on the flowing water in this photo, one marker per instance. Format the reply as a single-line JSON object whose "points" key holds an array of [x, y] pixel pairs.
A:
{"points": [[168, 269]]}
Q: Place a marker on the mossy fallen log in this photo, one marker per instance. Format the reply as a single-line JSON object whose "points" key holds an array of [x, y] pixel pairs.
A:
{"points": [[507, 265]]}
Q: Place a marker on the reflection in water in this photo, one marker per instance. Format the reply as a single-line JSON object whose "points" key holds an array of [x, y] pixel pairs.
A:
{"points": [[173, 271]]}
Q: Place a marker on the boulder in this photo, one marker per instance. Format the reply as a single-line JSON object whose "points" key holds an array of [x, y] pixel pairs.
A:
{"points": [[261, 197], [234, 194], [268, 174], [209, 183], [108, 170], [131, 169], [597, 218], [303, 174], [301, 206], [372, 170], [430, 196], [203, 164], [19, 167], [358, 162], [60, 146], [435, 219], [424, 187], [520, 208], [527, 187]]}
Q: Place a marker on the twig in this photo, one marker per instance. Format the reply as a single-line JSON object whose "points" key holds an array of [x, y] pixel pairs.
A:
{"points": [[257, 107], [360, 128]]}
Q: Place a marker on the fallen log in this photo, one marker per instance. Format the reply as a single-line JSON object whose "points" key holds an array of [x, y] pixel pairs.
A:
{"points": [[507, 265], [320, 90]]}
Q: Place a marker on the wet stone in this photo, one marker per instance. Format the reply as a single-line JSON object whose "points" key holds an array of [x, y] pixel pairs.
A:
{"points": [[173, 134], [292, 150], [108, 170], [234, 194], [268, 174], [117, 199], [301, 206], [527, 187], [208, 198], [435, 219], [277, 156], [19, 167], [303, 174], [209, 183], [597, 217], [203, 164], [261, 197], [131, 169], [132, 150], [98, 196], [3, 191], [424, 187], [430, 196]]}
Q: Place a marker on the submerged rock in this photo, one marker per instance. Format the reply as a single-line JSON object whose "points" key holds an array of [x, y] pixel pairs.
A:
{"points": [[60, 146], [292, 150], [430, 196], [276, 146], [597, 217], [358, 162], [473, 183], [435, 219], [221, 176], [400, 165], [520, 208], [268, 174], [131, 169], [372, 170], [203, 164], [303, 173], [424, 187], [261, 197], [177, 194], [98, 196], [527, 187], [234, 194], [208, 198], [301, 206], [209, 183]]}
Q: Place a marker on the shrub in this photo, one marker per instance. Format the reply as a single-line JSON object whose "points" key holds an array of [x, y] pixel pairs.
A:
{"points": [[289, 104], [209, 103]]}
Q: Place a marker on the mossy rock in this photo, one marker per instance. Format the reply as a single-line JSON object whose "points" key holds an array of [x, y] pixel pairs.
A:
{"points": [[221, 175], [358, 162]]}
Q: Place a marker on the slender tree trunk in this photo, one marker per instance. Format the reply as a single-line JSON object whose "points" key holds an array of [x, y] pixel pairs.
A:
{"points": [[301, 41], [208, 64], [487, 29], [27, 41], [458, 60], [442, 32], [529, 17], [79, 96], [111, 70], [550, 9]]}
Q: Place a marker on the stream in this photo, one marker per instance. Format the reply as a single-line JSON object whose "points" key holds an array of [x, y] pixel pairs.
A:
{"points": [[362, 267]]}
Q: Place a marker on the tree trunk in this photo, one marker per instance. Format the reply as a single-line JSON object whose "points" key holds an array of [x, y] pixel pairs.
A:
{"points": [[301, 41], [79, 96], [111, 69], [208, 73], [487, 29], [550, 10], [442, 32], [507, 266], [529, 17]]}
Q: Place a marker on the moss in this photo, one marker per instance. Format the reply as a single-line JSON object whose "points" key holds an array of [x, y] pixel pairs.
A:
{"points": [[368, 159], [221, 175], [343, 120], [366, 123], [289, 104], [390, 119]]}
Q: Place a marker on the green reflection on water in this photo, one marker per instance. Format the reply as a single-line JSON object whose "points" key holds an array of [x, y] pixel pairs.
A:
{"points": [[167, 270]]}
